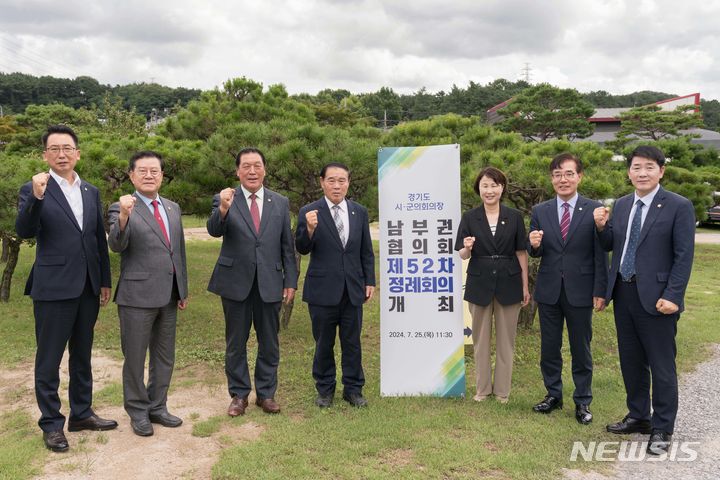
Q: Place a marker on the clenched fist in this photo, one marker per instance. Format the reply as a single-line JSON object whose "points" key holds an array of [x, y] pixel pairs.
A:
{"points": [[312, 220], [127, 202], [468, 242], [39, 184], [536, 238], [226, 198], [601, 215]]}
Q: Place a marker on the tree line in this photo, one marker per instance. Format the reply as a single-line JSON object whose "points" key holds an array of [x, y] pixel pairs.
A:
{"points": [[298, 136], [383, 108]]}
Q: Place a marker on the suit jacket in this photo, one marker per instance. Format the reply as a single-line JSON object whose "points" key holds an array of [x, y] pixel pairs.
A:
{"points": [[488, 277], [65, 255], [579, 261], [664, 255], [333, 267], [148, 265], [245, 254]]}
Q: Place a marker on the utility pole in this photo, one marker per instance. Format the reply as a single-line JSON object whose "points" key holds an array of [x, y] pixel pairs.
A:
{"points": [[385, 120], [525, 72]]}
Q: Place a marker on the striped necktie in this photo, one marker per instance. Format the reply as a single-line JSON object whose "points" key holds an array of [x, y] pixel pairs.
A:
{"points": [[565, 221]]}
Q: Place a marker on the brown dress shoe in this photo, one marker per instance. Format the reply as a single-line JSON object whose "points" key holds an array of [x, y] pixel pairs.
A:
{"points": [[268, 405], [237, 406]]}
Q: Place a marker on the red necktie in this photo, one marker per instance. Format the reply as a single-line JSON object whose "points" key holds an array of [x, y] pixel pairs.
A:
{"points": [[159, 220], [565, 220], [255, 212]]}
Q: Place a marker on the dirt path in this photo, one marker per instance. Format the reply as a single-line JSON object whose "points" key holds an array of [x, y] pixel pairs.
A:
{"points": [[200, 233], [171, 453]]}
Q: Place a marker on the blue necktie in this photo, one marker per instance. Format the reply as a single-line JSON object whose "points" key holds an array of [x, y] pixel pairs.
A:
{"points": [[627, 269]]}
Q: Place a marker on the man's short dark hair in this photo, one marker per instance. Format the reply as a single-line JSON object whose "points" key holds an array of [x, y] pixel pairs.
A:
{"points": [[564, 157], [647, 151], [145, 154], [60, 129], [495, 174], [334, 165], [247, 150]]}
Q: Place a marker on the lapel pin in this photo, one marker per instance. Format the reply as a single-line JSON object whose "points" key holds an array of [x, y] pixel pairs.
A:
{"points": [[86, 189], [269, 200], [659, 205], [503, 222], [579, 208], [353, 213]]}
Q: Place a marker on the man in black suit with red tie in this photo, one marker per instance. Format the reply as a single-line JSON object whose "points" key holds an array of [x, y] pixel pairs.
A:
{"points": [[652, 236], [571, 280], [340, 278], [69, 281]]}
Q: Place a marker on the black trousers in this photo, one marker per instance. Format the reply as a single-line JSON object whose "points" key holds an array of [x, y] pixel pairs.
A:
{"points": [[646, 344], [58, 324], [326, 321], [239, 316], [579, 326]]}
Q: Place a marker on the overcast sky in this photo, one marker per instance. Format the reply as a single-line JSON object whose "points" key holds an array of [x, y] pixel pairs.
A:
{"points": [[619, 46]]}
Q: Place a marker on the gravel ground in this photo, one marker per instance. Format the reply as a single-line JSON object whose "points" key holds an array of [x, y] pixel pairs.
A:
{"points": [[697, 421]]}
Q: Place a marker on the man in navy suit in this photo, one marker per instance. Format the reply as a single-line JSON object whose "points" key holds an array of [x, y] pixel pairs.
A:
{"points": [[652, 235], [572, 279], [340, 278], [69, 281]]}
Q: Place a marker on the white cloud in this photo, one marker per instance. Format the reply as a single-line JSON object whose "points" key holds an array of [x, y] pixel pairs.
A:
{"points": [[615, 45]]}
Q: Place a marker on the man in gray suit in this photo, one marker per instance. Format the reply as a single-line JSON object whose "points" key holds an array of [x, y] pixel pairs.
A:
{"points": [[255, 271], [146, 229]]}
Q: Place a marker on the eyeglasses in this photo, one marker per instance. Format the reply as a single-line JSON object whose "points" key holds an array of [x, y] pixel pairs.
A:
{"points": [[245, 167], [55, 150], [338, 181], [567, 175], [143, 172]]}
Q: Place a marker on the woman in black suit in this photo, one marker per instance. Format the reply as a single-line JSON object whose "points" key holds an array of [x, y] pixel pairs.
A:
{"points": [[493, 237]]}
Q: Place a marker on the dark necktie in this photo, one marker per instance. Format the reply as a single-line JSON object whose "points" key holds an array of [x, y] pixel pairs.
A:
{"points": [[627, 269], [339, 223], [565, 221], [255, 212], [158, 218]]}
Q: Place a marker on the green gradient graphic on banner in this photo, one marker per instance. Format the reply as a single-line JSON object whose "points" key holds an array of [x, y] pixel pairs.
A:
{"points": [[453, 372], [391, 159]]}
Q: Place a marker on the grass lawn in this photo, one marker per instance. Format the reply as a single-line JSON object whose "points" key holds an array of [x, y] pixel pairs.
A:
{"points": [[394, 437], [194, 221]]}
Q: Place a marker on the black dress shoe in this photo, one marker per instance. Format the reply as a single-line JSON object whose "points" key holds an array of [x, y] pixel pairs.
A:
{"points": [[630, 425], [659, 442], [93, 422], [355, 399], [56, 441], [142, 427], [166, 419], [324, 401], [583, 414], [548, 404]]}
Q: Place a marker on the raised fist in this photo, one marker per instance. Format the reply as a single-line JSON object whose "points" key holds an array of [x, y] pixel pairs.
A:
{"points": [[127, 202], [536, 238], [226, 198], [312, 220], [39, 184], [601, 215]]}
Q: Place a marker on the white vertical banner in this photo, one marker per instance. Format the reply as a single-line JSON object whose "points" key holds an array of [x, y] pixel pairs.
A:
{"points": [[421, 319]]}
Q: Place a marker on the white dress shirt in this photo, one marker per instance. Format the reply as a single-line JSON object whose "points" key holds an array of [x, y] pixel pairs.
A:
{"points": [[73, 195]]}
